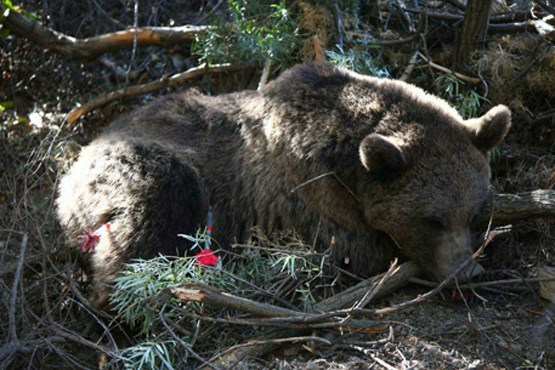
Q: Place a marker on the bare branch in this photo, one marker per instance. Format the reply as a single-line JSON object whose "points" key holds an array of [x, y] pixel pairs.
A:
{"points": [[207, 294], [509, 208], [161, 83], [13, 301], [346, 298], [276, 316], [443, 69], [457, 4], [546, 6], [92, 47]]}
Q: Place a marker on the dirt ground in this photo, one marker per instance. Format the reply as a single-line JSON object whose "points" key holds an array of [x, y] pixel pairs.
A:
{"points": [[500, 327], [506, 331]]}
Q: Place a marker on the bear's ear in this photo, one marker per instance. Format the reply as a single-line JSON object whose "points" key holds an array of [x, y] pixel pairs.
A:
{"points": [[381, 155], [488, 131]]}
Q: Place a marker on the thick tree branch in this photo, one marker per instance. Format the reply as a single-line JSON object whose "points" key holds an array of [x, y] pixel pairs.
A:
{"points": [[270, 315], [92, 47], [509, 208], [198, 292], [498, 18], [161, 83]]}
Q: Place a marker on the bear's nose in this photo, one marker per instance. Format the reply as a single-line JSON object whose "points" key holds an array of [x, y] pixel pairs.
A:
{"points": [[470, 271]]}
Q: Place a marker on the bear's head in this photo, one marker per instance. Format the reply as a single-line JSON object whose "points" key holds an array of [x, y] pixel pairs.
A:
{"points": [[428, 186]]}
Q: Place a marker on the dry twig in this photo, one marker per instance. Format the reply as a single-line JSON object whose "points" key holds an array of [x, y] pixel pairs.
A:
{"points": [[443, 69], [13, 301]]}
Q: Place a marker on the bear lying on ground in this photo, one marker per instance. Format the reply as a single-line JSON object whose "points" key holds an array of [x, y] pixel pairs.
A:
{"points": [[395, 172]]}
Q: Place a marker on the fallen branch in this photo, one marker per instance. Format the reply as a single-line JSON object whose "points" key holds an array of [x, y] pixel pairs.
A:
{"points": [[348, 297], [92, 47], [494, 19], [342, 300], [384, 42], [443, 69], [525, 26], [207, 294], [409, 68], [509, 208], [457, 4], [543, 116], [161, 83], [275, 316], [490, 235], [485, 284], [550, 9]]}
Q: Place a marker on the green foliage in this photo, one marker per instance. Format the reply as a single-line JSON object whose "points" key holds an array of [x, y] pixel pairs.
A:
{"points": [[467, 103], [360, 58], [7, 5], [145, 279], [258, 31], [496, 155], [8, 104], [140, 295], [151, 355]]}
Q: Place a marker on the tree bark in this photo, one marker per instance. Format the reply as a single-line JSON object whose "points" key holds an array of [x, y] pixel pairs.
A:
{"points": [[510, 208], [474, 28], [92, 47]]}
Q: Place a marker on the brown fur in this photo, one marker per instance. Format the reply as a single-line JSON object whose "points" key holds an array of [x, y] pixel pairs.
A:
{"points": [[409, 172]]}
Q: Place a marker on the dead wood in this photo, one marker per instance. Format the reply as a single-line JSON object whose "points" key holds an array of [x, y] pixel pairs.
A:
{"points": [[431, 64], [15, 285], [457, 4], [92, 47], [525, 26], [545, 5], [356, 296], [455, 17], [164, 82], [207, 294], [485, 284], [348, 297], [508, 208], [276, 316]]}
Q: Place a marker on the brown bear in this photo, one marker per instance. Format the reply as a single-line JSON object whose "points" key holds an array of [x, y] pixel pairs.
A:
{"points": [[382, 166]]}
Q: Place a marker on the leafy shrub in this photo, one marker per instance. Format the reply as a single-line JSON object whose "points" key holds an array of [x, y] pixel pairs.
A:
{"points": [[258, 31]]}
